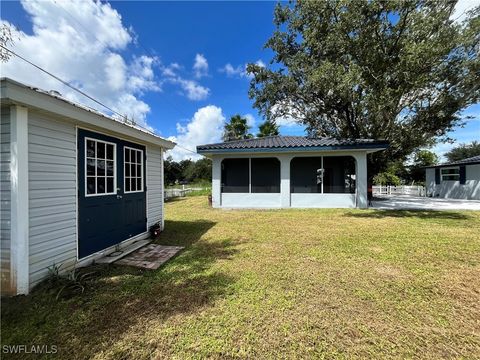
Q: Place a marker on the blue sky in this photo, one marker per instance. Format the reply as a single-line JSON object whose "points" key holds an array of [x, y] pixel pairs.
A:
{"points": [[155, 45]]}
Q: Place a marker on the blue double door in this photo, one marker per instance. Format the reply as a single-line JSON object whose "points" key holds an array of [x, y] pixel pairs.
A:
{"points": [[111, 191]]}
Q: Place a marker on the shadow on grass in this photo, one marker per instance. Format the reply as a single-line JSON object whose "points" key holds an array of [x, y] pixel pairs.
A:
{"points": [[183, 233], [175, 199], [119, 298], [421, 214]]}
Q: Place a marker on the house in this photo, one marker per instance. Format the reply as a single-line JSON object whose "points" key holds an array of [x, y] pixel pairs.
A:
{"points": [[290, 171], [454, 180], [74, 184]]}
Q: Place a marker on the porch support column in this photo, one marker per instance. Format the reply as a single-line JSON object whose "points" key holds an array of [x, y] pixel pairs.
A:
{"points": [[216, 181], [19, 265], [285, 180], [361, 160]]}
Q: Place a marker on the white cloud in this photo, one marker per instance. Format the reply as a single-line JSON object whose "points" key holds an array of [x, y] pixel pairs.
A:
{"points": [[205, 127], [260, 63], [250, 120], [289, 120], [171, 70], [461, 9], [239, 71], [286, 121], [231, 71], [200, 66], [192, 89], [81, 41]]}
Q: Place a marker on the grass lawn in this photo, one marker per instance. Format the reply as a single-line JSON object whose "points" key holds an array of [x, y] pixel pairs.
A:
{"points": [[280, 283]]}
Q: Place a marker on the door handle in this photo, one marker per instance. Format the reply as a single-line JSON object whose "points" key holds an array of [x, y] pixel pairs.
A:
{"points": [[119, 196]]}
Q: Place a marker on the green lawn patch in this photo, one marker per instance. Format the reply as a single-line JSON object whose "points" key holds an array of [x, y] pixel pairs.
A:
{"points": [[280, 283]]}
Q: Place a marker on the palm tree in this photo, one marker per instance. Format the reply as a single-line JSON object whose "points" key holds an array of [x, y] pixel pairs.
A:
{"points": [[236, 129], [268, 128]]}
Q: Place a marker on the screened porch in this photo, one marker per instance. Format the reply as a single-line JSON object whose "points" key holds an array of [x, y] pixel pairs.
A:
{"points": [[308, 181]]}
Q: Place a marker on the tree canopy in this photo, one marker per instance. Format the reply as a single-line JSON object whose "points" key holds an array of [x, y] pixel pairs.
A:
{"points": [[236, 129], [187, 170], [267, 128], [6, 40], [463, 151], [395, 70]]}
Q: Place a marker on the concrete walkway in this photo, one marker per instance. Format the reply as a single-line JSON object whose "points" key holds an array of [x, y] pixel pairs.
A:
{"points": [[405, 202]]}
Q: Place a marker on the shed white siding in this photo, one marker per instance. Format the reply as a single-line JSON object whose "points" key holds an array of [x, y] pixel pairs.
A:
{"points": [[5, 200], [154, 186], [52, 195], [450, 189]]}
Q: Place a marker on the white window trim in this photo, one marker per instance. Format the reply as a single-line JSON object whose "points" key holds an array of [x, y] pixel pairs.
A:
{"points": [[114, 167], [125, 176], [448, 168]]}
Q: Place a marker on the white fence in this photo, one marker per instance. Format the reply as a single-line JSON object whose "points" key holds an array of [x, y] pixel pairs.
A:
{"points": [[412, 190], [173, 193]]}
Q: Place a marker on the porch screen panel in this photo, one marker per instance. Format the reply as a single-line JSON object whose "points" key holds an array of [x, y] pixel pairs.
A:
{"points": [[265, 175], [235, 176], [305, 175], [339, 174]]}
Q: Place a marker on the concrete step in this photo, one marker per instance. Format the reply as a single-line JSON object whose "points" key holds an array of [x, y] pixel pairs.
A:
{"points": [[114, 256]]}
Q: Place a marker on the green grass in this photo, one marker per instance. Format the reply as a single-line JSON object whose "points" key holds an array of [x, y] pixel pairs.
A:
{"points": [[204, 192], [280, 283]]}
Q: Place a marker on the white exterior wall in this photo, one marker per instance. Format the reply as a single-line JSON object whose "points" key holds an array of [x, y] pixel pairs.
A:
{"points": [[52, 195], [154, 186], [429, 181], [253, 200], [453, 189], [285, 199], [302, 200]]}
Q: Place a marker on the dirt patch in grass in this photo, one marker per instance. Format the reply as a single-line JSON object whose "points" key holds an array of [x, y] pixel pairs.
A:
{"points": [[269, 284]]}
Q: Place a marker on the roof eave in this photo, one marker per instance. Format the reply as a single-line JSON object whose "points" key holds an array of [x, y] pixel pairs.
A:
{"points": [[370, 148], [450, 164], [13, 92]]}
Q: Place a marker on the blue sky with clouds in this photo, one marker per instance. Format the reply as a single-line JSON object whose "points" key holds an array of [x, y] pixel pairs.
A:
{"points": [[177, 67]]}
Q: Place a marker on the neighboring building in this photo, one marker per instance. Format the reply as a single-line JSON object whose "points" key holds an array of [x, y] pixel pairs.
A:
{"points": [[290, 171], [74, 184], [454, 180]]}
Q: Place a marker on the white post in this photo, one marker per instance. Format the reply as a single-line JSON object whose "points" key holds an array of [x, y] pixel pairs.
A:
{"points": [[162, 179], [19, 198], [216, 181], [362, 197], [285, 180]]}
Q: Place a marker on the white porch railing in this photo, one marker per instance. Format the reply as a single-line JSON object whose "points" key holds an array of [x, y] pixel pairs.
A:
{"points": [[412, 190]]}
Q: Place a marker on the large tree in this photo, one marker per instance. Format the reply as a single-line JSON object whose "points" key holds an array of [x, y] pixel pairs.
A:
{"points": [[267, 128], [421, 159], [463, 151], [6, 41], [236, 129], [395, 70]]}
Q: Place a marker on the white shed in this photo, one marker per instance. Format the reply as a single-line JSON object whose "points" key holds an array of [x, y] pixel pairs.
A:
{"points": [[290, 171], [454, 180], [74, 184]]}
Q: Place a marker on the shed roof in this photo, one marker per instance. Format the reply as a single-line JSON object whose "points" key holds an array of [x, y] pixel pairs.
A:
{"points": [[293, 143], [468, 161], [14, 92]]}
